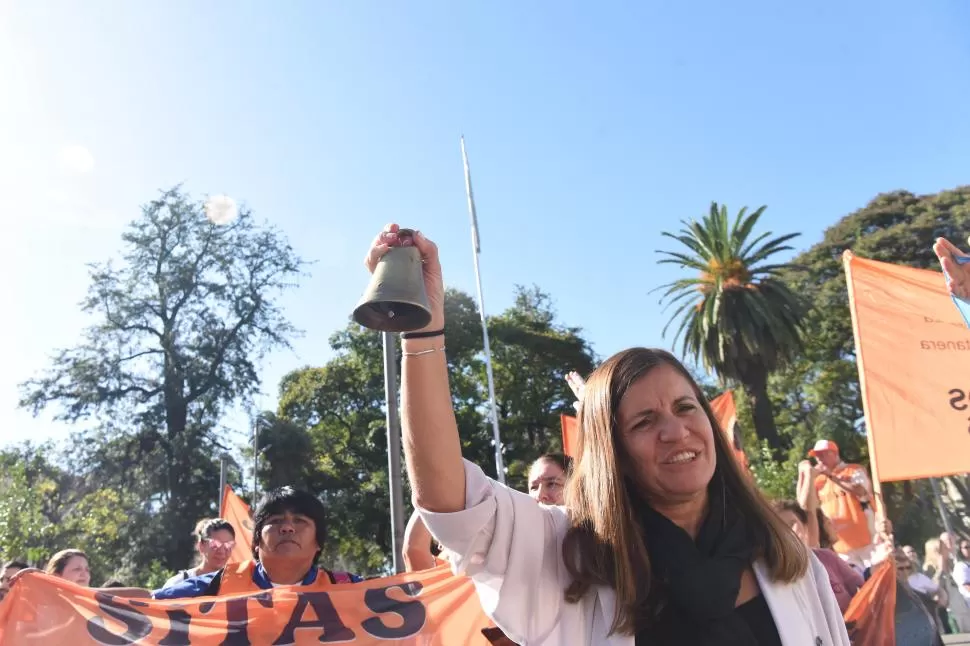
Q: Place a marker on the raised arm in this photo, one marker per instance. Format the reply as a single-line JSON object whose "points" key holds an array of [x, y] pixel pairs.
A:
{"points": [[506, 543], [808, 500], [956, 266], [417, 545], [430, 434]]}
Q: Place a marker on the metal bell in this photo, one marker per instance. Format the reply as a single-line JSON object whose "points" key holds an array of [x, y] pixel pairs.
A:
{"points": [[395, 300]]}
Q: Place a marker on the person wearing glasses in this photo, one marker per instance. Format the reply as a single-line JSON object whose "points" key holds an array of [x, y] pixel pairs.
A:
{"points": [[215, 538]]}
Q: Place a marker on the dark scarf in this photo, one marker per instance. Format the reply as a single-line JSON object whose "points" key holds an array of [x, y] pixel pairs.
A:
{"points": [[698, 580]]}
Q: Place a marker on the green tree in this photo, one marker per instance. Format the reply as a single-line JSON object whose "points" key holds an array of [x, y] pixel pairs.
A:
{"points": [[180, 321], [735, 314], [531, 354], [817, 396], [46, 508], [332, 423]]}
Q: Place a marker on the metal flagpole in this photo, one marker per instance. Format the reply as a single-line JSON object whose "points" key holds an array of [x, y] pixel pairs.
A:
{"points": [[394, 451], [476, 247], [223, 459], [255, 461]]}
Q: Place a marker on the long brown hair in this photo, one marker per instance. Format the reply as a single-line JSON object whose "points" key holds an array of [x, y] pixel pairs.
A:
{"points": [[59, 561], [605, 545]]}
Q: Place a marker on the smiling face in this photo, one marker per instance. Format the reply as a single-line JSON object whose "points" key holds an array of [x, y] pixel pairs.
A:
{"points": [[667, 438], [216, 548]]}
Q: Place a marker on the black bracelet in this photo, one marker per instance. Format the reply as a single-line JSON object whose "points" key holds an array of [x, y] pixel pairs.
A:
{"points": [[423, 335]]}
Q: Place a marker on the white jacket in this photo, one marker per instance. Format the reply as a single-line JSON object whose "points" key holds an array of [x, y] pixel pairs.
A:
{"points": [[511, 548]]}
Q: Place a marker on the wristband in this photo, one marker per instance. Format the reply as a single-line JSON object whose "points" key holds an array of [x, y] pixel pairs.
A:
{"points": [[423, 335]]}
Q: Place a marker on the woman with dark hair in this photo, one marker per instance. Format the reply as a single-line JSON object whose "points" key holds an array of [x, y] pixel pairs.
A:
{"points": [[289, 531], [662, 541]]}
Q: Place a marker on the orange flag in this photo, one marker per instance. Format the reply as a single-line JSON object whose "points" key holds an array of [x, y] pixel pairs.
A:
{"points": [[871, 615], [570, 435], [722, 405], [429, 608], [913, 353], [240, 517], [727, 415]]}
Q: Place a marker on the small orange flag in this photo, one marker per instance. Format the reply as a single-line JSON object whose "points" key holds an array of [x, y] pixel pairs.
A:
{"points": [[240, 517], [570, 435], [871, 615]]}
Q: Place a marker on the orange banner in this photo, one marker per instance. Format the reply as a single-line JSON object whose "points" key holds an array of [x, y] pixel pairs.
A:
{"points": [[240, 517], [913, 353], [724, 411], [871, 615], [429, 608]]}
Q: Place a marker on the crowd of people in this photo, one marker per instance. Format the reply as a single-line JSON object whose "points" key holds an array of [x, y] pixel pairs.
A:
{"points": [[655, 534]]}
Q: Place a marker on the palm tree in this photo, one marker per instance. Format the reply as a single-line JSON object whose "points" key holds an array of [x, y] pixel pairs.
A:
{"points": [[736, 315]]}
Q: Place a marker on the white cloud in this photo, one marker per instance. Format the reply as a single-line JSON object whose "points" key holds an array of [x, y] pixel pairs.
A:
{"points": [[77, 159]]}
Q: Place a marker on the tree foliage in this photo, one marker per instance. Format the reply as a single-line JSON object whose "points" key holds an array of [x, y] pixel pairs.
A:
{"points": [[46, 508], [735, 313], [180, 323]]}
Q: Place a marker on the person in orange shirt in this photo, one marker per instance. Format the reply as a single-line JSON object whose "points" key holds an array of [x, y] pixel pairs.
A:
{"points": [[845, 496]]}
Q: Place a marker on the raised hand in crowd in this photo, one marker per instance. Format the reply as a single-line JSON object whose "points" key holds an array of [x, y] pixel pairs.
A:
{"points": [[955, 264], [435, 466], [578, 385]]}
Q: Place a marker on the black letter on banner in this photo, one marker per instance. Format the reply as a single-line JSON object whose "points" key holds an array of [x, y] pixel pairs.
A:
{"points": [[957, 396], [413, 613], [237, 618], [178, 633], [138, 625], [334, 629]]}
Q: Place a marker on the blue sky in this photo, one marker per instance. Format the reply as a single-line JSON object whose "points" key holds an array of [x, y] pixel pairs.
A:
{"points": [[591, 127]]}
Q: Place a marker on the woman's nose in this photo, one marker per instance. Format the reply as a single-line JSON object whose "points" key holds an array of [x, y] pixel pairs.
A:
{"points": [[673, 430]]}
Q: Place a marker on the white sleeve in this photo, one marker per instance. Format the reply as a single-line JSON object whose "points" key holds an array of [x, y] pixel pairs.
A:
{"points": [[961, 573], [830, 606], [510, 547]]}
